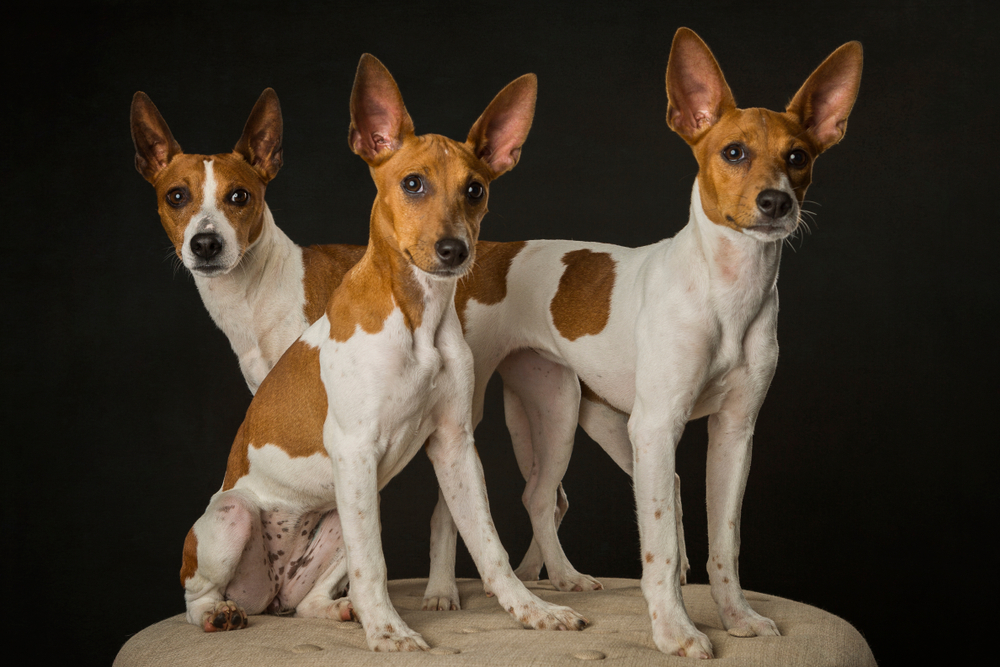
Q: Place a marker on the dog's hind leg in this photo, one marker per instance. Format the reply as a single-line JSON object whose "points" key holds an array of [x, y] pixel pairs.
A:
{"points": [[226, 573]]}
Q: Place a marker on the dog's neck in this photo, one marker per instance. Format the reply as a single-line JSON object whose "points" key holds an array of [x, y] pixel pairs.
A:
{"points": [[423, 299], [259, 303], [734, 260]]}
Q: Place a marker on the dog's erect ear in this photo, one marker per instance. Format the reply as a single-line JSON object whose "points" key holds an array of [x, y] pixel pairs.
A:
{"points": [[498, 135], [379, 121], [154, 145], [697, 93], [826, 98], [260, 144]]}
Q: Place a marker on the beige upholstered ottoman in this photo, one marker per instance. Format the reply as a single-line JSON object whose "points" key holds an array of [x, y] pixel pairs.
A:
{"points": [[483, 634]]}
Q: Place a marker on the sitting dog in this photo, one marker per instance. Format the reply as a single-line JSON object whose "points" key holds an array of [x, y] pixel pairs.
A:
{"points": [[382, 371]]}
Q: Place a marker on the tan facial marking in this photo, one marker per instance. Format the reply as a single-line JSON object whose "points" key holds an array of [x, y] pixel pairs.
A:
{"points": [[582, 303], [487, 281], [729, 190]]}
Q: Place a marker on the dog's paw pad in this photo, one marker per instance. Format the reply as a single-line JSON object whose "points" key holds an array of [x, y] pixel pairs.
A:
{"points": [[226, 615]]}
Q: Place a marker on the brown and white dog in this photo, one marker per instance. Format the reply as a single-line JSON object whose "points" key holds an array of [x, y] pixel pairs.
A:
{"points": [[382, 371], [264, 291], [644, 340], [260, 288]]}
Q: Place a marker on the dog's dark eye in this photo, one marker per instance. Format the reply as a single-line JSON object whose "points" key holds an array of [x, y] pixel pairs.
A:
{"points": [[413, 184], [475, 191], [734, 153], [178, 197], [798, 158], [239, 197]]}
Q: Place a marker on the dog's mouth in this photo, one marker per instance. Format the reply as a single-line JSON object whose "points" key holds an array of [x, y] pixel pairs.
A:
{"points": [[440, 269], [210, 269]]}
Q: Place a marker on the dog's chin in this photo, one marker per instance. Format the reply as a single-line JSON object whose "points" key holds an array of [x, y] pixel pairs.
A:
{"points": [[446, 273], [210, 270], [438, 271], [777, 230]]}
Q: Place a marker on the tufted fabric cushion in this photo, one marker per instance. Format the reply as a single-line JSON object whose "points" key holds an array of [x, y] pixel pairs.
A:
{"points": [[483, 634]]}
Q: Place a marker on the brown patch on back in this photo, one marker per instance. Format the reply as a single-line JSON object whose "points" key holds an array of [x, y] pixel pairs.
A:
{"points": [[189, 563], [487, 281], [325, 267], [288, 412], [582, 303]]}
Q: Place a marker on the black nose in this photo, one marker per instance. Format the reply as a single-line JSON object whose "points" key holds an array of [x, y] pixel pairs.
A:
{"points": [[452, 252], [206, 246], [774, 203]]}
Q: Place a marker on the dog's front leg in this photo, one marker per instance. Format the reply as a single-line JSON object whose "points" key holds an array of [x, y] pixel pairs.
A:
{"points": [[460, 476], [670, 372], [355, 466], [730, 441], [654, 445]]}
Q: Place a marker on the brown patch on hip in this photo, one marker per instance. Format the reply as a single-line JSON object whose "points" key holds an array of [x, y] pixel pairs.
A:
{"points": [[582, 303], [189, 563], [487, 281], [288, 412]]}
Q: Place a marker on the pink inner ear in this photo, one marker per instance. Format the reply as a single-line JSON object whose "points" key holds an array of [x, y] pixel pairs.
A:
{"points": [[503, 138], [831, 104], [695, 88]]}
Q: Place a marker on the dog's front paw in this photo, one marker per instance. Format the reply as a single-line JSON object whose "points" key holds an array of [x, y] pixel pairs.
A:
{"points": [[393, 638], [544, 616], [576, 581], [681, 639], [442, 598], [339, 610], [225, 615], [749, 624]]}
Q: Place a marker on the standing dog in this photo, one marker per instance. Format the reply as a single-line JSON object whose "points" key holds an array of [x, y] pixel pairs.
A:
{"points": [[382, 371], [663, 334]]}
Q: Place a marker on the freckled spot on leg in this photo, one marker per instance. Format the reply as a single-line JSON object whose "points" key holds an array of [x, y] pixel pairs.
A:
{"points": [[357, 574], [654, 615], [658, 514], [719, 565], [668, 561], [725, 580], [649, 556]]}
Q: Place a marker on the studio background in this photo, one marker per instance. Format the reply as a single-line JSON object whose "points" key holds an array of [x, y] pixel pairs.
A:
{"points": [[873, 480]]}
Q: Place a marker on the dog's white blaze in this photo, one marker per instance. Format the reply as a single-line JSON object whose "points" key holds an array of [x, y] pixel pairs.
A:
{"points": [[209, 219]]}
